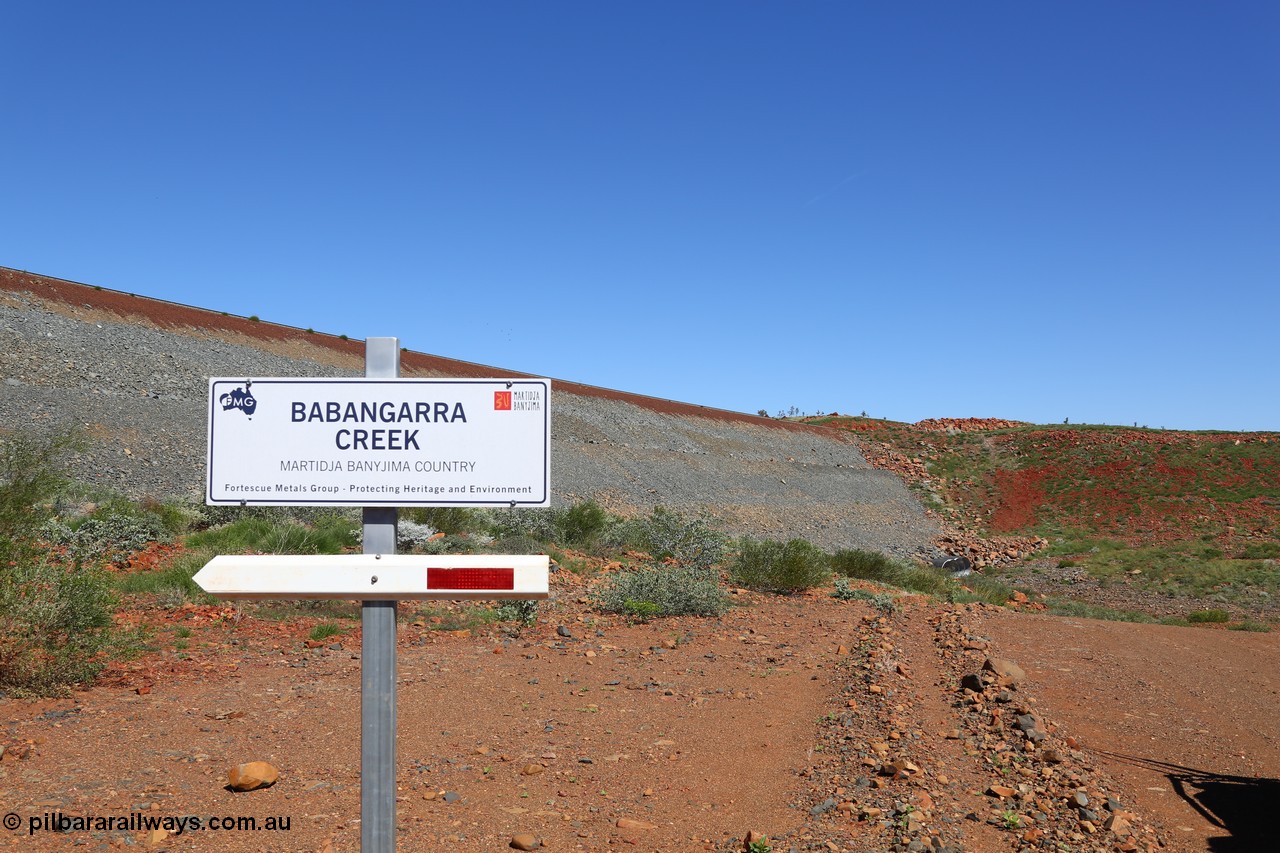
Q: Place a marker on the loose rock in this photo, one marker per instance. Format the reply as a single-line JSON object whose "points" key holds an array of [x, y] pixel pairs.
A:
{"points": [[251, 776]]}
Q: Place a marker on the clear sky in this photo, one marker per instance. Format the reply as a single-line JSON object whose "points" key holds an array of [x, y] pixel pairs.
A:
{"points": [[1037, 211]]}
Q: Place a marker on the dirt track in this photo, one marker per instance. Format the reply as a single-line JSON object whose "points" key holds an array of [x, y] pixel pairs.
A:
{"points": [[703, 729], [1187, 717]]}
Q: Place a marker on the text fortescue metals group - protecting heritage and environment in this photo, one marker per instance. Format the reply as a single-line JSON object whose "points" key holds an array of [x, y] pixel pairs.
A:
{"points": [[412, 488]]}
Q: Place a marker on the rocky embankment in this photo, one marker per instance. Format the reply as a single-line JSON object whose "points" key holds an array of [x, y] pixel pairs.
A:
{"points": [[131, 373], [934, 746]]}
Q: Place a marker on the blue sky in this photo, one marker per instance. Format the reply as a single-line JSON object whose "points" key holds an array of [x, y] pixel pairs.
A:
{"points": [[1025, 210]]}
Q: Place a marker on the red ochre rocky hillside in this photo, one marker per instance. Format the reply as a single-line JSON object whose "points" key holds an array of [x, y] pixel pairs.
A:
{"points": [[1003, 486]]}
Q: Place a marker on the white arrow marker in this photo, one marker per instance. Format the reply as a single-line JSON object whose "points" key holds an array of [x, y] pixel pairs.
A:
{"points": [[376, 576]]}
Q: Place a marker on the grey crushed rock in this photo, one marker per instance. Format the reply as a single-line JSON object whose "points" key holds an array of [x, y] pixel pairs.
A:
{"points": [[140, 394]]}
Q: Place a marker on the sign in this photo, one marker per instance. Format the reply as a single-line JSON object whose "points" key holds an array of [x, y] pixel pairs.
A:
{"points": [[374, 577], [379, 442]]}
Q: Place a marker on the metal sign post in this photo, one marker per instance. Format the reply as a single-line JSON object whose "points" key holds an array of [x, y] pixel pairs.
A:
{"points": [[378, 657], [378, 443]]}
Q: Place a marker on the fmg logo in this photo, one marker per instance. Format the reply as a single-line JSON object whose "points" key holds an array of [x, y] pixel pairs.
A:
{"points": [[239, 398]]}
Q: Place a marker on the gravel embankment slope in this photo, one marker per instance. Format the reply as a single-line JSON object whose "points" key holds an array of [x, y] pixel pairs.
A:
{"points": [[132, 373]]}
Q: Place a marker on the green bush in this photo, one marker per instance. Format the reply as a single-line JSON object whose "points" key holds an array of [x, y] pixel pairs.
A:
{"points": [[108, 539], [865, 565], [581, 524], [668, 535], [1260, 551], [324, 630], [327, 534], [879, 600], [772, 566], [446, 519], [523, 611], [1069, 607], [172, 584], [217, 516], [174, 516], [30, 479], [518, 544], [977, 588], [530, 522], [411, 536], [56, 624], [930, 581], [661, 591], [1213, 615]]}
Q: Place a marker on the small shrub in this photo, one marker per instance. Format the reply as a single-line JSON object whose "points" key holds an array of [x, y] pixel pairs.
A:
{"points": [[1251, 625], [865, 565], [581, 524], [653, 591], [110, 539], [879, 600], [30, 479], [517, 544], [56, 626], [928, 580], [844, 592], [531, 522], [329, 533], [772, 566], [641, 611], [1212, 615], [1068, 607], [523, 611], [410, 535], [979, 588], [1260, 551], [446, 519], [324, 630], [670, 535], [174, 516], [172, 585], [449, 545]]}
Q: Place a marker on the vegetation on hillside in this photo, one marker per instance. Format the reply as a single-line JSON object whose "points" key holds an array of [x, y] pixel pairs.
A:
{"points": [[78, 558], [1179, 512], [1185, 513]]}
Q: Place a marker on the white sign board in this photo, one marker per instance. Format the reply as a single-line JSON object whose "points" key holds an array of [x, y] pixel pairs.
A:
{"points": [[376, 576], [379, 442]]}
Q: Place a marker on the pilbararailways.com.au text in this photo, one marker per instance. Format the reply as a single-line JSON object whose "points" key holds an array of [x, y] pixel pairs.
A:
{"points": [[140, 822]]}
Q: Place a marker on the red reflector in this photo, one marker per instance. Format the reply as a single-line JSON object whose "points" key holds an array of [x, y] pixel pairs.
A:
{"points": [[471, 578]]}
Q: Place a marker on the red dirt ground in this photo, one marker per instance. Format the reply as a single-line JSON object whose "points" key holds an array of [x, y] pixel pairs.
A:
{"points": [[701, 729]]}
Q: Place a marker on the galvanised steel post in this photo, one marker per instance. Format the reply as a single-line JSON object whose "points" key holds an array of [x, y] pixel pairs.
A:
{"points": [[378, 658]]}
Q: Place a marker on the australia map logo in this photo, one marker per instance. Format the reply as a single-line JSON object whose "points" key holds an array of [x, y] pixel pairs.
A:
{"points": [[239, 398]]}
